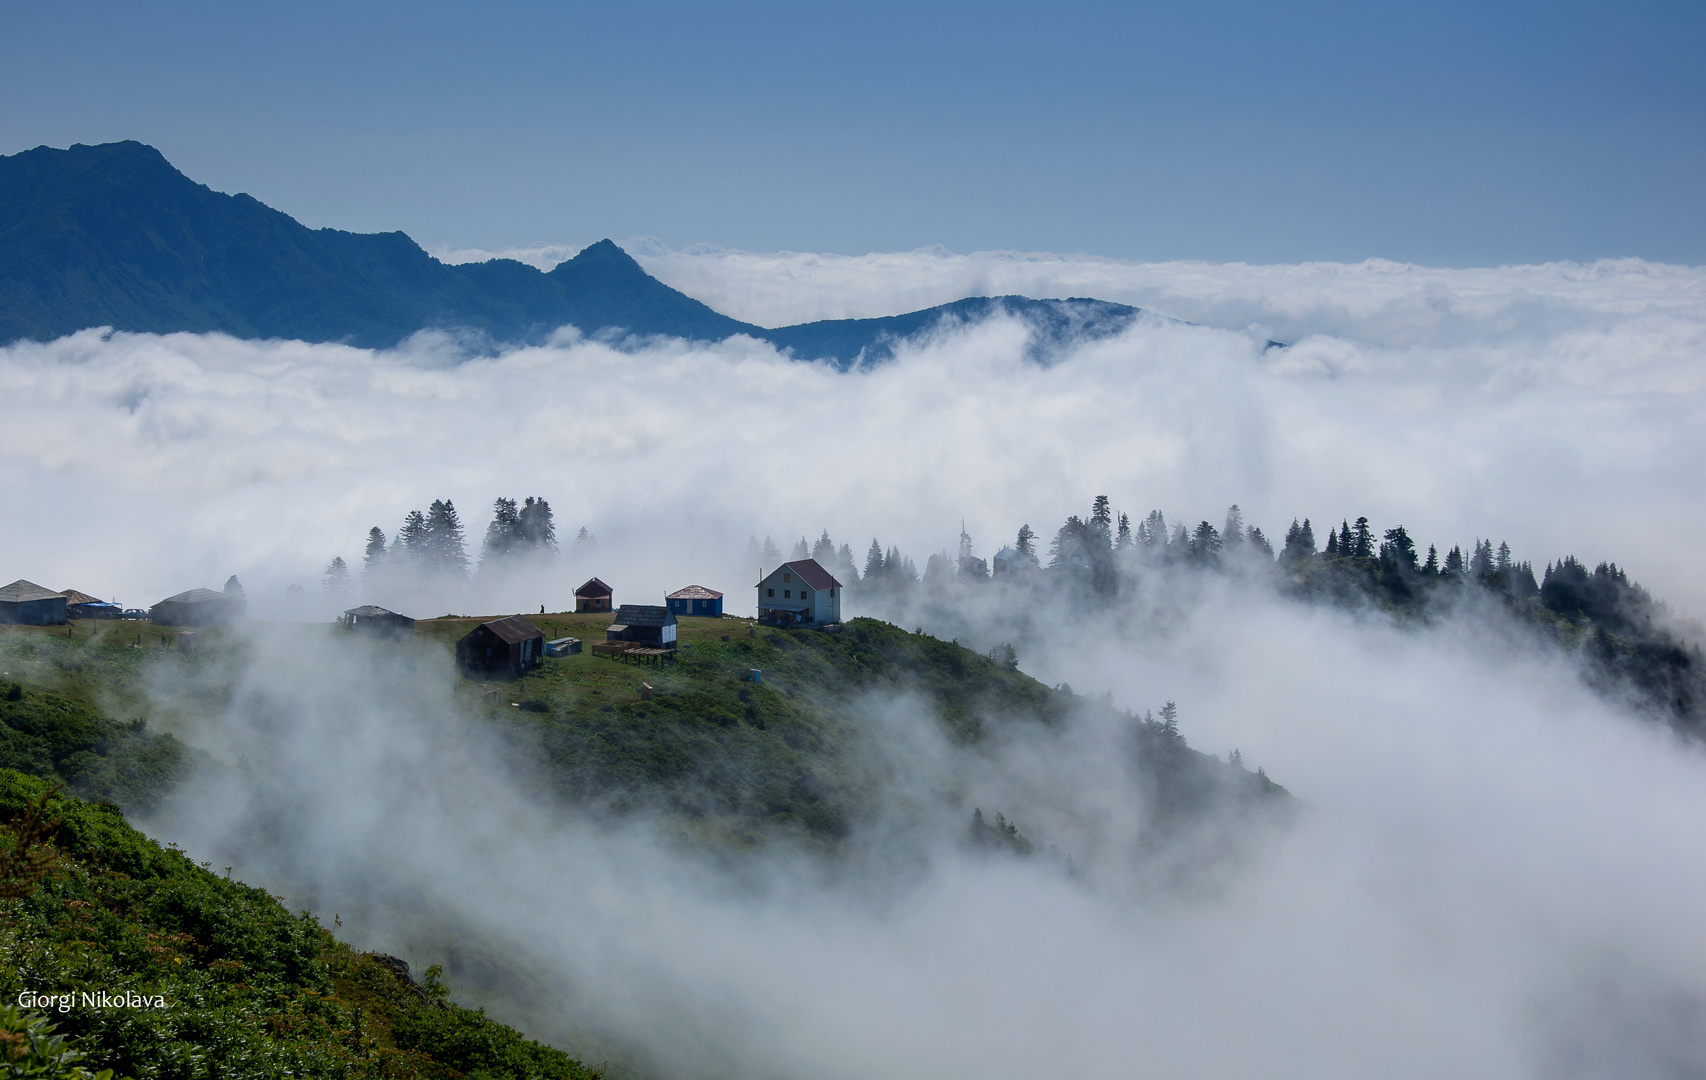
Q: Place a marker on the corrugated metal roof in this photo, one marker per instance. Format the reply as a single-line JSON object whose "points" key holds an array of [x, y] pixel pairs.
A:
{"points": [[22, 591], [695, 592], [72, 596], [813, 574], [369, 611], [513, 630], [644, 615], [593, 587], [195, 596]]}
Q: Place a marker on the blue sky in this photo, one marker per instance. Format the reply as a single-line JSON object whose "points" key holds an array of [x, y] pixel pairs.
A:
{"points": [[1449, 134]]}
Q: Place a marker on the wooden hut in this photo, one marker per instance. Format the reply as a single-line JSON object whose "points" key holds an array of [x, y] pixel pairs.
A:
{"points": [[593, 597], [503, 647], [646, 625], [369, 619], [25, 603], [197, 607], [799, 593], [695, 600], [82, 605]]}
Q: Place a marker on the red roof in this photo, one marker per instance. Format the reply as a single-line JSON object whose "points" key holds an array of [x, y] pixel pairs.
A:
{"points": [[813, 574], [593, 587], [695, 592]]}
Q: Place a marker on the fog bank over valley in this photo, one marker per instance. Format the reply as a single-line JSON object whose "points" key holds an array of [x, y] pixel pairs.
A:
{"points": [[1484, 859]]}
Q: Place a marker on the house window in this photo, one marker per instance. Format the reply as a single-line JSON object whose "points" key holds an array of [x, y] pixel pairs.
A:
{"points": [[769, 592], [785, 577], [787, 594]]}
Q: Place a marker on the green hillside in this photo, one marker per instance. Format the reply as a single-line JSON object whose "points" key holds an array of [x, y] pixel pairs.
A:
{"points": [[215, 976]]}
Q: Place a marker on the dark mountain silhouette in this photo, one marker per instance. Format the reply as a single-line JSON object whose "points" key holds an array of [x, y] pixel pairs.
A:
{"points": [[113, 235]]}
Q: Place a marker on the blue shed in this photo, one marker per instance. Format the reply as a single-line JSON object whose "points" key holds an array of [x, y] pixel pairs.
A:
{"points": [[695, 600]]}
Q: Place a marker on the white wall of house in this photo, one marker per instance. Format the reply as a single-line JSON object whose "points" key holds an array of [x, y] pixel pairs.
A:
{"points": [[782, 590]]}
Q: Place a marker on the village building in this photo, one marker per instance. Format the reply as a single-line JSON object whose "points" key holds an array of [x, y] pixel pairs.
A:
{"points": [[800, 593], [82, 605], [502, 647], [197, 607], [695, 600], [377, 620], [593, 597], [646, 625], [24, 603]]}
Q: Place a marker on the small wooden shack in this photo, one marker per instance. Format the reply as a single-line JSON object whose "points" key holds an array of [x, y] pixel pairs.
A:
{"points": [[197, 607], [695, 600], [646, 625], [369, 619], [593, 597], [24, 603], [502, 647], [82, 605]]}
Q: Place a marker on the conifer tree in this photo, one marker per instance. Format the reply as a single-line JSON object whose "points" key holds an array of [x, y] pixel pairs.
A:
{"points": [[1232, 534], [585, 542], [1453, 562], [824, 550], [754, 553], [874, 564], [1299, 542], [335, 578], [374, 557], [801, 550], [503, 535], [845, 568], [412, 537], [1026, 544], [1332, 543], [1431, 567], [1260, 543], [538, 525], [447, 550], [772, 554], [233, 587], [1123, 540], [1362, 546], [1205, 544]]}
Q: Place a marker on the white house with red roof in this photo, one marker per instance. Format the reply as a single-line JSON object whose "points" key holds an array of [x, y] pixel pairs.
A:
{"points": [[800, 593]]}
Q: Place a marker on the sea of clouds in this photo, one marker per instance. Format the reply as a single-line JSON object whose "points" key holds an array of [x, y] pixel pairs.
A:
{"points": [[1496, 871]]}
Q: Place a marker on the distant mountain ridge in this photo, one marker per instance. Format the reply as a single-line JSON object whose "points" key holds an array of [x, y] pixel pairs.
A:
{"points": [[113, 235]]}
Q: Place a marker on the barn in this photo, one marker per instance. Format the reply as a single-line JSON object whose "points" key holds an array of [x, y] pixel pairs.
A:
{"points": [[197, 607], [502, 647], [369, 619], [695, 600], [592, 597], [647, 625], [799, 593], [25, 603]]}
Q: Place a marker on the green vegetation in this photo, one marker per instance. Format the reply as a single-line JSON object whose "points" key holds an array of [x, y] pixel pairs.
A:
{"points": [[224, 980]]}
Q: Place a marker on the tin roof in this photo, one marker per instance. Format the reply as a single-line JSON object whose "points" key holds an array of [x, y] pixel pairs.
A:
{"points": [[195, 596], [72, 596], [513, 630], [370, 611], [695, 592], [813, 574], [593, 587], [644, 615], [21, 591]]}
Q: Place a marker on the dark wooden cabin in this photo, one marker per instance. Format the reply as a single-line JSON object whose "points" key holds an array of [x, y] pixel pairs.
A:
{"points": [[647, 625], [377, 620], [28, 604], [197, 607], [593, 597], [503, 647]]}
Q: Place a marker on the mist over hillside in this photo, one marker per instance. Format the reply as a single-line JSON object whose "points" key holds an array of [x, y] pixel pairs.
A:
{"points": [[1487, 843]]}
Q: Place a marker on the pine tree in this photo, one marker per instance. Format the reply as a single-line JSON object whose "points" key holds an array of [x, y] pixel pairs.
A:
{"points": [[447, 550], [965, 544], [1170, 720], [1261, 543], [772, 554], [538, 525], [754, 553], [1453, 562], [1431, 567], [1332, 543], [1481, 563], [585, 542], [874, 565], [1123, 540], [1027, 544], [1299, 542], [1100, 535], [1205, 544], [1502, 562], [1153, 532], [1232, 535], [412, 538], [503, 535], [1235, 759], [824, 550], [335, 578], [1362, 546], [845, 568], [374, 557], [233, 587], [801, 550], [1397, 547]]}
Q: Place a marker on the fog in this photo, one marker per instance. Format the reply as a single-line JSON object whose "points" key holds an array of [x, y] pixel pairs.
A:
{"points": [[1494, 871]]}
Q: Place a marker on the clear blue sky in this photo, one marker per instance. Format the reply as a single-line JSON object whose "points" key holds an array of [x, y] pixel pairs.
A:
{"points": [[1452, 134]]}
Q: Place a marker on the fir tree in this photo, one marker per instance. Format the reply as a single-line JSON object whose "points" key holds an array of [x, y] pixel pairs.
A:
{"points": [[1261, 543], [801, 551], [1362, 544], [824, 550], [874, 565], [845, 568], [1453, 563], [446, 549], [503, 535], [1232, 534], [538, 525], [1123, 540], [1026, 544], [374, 557], [1205, 544], [1397, 547], [1299, 542], [233, 587], [772, 554], [1332, 543], [335, 578], [1431, 567], [754, 553]]}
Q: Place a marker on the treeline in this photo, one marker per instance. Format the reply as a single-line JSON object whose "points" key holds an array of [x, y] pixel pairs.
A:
{"points": [[1097, 558], [433, 543]]}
